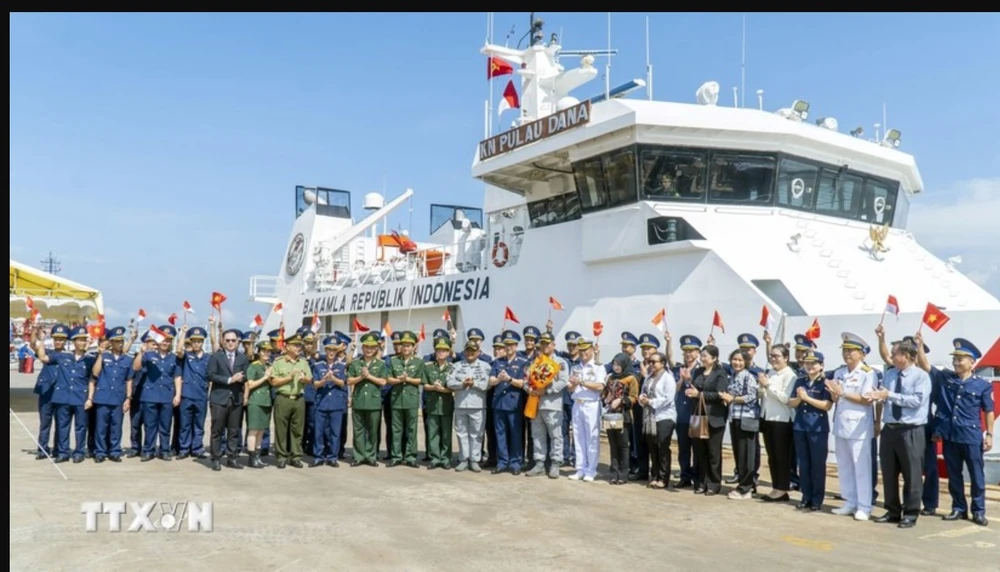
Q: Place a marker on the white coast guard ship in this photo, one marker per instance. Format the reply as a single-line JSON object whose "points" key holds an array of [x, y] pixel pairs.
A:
{"points": [[619, 208]]}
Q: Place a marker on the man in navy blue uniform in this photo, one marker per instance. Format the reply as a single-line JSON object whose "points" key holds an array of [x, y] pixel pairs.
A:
{"points": [[110, 395], [135, 404], [161, 392], [69, 396], [962, 397], [45, 384], [812, 403], [507, 379], [684, 373], [193, 365], [330, 382]]}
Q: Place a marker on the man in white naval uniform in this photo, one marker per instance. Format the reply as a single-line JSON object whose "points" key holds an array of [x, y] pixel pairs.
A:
{"points": [[548, 421], [469, 379], [854, 427], [586, 381]]}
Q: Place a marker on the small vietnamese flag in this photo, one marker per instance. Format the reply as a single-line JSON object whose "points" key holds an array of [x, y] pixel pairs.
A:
{"points": [[257, 322], [172, 319], [766, 320], [423, 333], [281, 337], [555, 303], [187, 307], [813, 332], [717, 322], [660, 320], [315, 323], [447, 316], [359, 327], [217, 299], [140, 315], [96, 331], [598, 328], [496, 67], [508, 315], [278, 308], [892, 306], [934, 318]]}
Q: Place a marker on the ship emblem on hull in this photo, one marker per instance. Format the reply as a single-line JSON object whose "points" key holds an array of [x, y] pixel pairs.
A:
{"points": [[296, 255]]}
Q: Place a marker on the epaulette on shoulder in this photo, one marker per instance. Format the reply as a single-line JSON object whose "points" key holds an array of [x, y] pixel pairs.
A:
{"points": [[866, 368]]}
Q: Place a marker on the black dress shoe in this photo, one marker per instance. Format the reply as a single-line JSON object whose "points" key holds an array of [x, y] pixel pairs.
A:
{"points": [[887, 518], [956, 515], [683, 484], [814, 508], [980, 519], [132, 454], [316, 463], [99, 459], [498, 471], [803, 505], [281, 464], [733, 479], [297, 464], [333, 463], [638, 477], [182, 456], [146, 458], [165, 457], [411, 464], [265, 452], [782, 498], [232, 463], [216, 465], [392, 463], [202, 455], [78, 459], [909, 522], [516, 472], [372, 463], [356, 463], [928, 512], [711, 493], [115, 458], [40, 456]]}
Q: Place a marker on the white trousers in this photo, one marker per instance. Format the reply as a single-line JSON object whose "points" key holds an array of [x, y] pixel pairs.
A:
{"points": [[854, 471], [547, 426], [587, 433], [469, 425]]}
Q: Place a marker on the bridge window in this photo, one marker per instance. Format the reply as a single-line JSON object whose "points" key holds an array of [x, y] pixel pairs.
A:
{"points": [[329, 202], [673, 174], [554, 210], [454, 215], [590, 184], [797, 184], [879, 204], [839, 194], [619, 168], [741, 179]]}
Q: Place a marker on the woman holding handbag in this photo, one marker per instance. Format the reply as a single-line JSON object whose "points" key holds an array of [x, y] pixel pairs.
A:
{"points": [[659, 416], [708, 424], [744, 422], [620, 392]]}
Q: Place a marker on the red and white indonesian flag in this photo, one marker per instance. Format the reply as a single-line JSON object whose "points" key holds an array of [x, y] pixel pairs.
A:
{"points": [[140, 315], [257, 322], [892, 306], [766, 319], [315, 323], [157, 334], [660, 320], [278, 308], [188, 308]]}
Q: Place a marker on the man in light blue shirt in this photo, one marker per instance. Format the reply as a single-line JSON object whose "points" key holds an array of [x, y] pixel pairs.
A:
{"points": [[906, 395]]}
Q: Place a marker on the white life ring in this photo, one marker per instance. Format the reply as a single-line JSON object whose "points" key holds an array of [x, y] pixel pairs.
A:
{"points": [[500, 254]]}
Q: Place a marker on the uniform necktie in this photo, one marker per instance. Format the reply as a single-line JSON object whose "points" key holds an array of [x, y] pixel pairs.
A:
{"points": [[897, 410], [232, 360]]}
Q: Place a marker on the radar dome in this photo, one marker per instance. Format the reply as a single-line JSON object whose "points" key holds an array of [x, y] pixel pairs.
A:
{"points": [[374, 202], [309, 196], [566, 103], [708, 93]]}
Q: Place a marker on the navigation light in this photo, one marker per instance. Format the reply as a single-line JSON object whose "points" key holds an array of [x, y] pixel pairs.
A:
{"points": [[828, 123], [892, 138]]}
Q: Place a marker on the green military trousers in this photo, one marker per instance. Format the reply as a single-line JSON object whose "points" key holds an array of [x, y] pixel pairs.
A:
{"points": [[289, 424], [404, 421], [366, 424], [439, 439]]}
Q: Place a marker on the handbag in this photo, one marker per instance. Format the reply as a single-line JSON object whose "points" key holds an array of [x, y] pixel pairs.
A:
{"points": [[750, 424], [613, 421], [698, 429]]}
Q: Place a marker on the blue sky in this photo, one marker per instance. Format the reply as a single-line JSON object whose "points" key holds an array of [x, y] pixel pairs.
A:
{"points": [[157, 155]]}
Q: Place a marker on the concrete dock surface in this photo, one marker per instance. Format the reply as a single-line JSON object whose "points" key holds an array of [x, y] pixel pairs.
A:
{"points": [[402, 518]]}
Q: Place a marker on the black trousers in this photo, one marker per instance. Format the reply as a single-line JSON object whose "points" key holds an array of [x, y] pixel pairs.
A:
{"points": [[618, 445], [708, 457], [659, 451], [779, 443], [745, 451], [638, 451], [902, 453], [226, 418]]}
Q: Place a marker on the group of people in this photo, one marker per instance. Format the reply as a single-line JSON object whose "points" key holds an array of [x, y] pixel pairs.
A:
{"points": [[535, 409]]}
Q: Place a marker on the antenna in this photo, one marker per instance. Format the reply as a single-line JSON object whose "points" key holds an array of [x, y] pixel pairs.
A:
{"points": [[649, 66], [51, 265], [736, 96], [760, 99], [743, 64], [885, 121], [489, 103], [607, 70]]}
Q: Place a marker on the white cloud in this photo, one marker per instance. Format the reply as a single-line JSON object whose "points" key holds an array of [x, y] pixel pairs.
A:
{"points": [[963, 220], [112, 313]]}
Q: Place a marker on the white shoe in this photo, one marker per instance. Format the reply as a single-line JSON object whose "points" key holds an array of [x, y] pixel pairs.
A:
{"points": [[575, 476], [845, 511], [861, 516], [735, 495], [588, 479]]}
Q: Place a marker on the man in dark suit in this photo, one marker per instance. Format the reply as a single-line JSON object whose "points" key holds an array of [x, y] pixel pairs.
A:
{"points": [[227, 372]]}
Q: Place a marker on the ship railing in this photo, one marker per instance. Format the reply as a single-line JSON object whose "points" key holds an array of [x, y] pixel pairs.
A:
{"points": [[431, 261], [263, 288]]}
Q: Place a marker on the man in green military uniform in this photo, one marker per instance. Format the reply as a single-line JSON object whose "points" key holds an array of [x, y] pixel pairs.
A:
{"points": [[440, 405], [406, 377], [289, 376], [366, 375]]}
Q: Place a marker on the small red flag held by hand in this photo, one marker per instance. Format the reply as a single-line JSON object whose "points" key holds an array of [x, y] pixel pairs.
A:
{"points": [[934, 318], [814, 331], [508, 316], [717, 322], [598, 328], [359, 327], [217, 299]]}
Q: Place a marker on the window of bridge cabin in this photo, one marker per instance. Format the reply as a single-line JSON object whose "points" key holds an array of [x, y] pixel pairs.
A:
{"points": [[797, 184], [619, 169], [741, 179], [444, 214], [673, 174], [554, 210], [838, 194], [879, 204], [590, 184]]}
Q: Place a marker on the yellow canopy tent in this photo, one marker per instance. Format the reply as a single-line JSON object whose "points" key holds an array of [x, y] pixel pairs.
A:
{"points": [[54, 297]]}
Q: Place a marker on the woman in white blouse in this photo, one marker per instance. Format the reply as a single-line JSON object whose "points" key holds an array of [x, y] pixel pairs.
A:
{"points": [[659, 416], [777, 422]]}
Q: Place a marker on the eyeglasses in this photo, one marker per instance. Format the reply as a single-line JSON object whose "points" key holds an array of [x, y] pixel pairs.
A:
{"points": [[230, 340], [652, 361]]}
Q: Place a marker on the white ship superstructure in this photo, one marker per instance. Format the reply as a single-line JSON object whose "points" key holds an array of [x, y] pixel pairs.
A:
{"points": [[619, 208]]}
